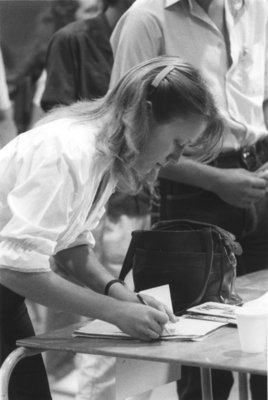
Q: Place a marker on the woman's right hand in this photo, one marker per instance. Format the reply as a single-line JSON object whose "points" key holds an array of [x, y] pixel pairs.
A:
{"points": [[140, 321]]}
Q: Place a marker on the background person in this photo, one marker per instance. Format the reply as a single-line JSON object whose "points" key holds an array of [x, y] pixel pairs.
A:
{"points": [[35, 22], [7, 126], [60, 14], [232, 191]]}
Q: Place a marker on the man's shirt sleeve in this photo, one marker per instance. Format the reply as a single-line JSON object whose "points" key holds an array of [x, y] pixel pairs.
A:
{"points": [[137, 37]]}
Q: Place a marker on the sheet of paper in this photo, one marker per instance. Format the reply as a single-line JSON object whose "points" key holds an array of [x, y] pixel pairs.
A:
{"points": [[98, 328], [190, 328], [160, 293]]}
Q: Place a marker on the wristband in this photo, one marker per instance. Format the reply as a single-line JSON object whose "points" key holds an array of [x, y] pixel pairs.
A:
{"points": [[110, 283]]}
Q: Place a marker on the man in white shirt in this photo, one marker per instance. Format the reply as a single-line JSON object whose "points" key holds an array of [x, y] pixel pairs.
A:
{"points": [[227, 40]]}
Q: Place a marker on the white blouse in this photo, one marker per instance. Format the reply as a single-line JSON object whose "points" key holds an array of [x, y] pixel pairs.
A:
{"points": [[48, 180]]}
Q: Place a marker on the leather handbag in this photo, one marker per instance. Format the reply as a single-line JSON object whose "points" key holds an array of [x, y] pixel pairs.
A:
{"points": [[196, 259]]}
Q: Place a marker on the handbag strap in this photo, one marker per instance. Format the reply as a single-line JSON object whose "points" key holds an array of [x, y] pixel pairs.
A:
{"points": [[210, 252], [128, 261]]}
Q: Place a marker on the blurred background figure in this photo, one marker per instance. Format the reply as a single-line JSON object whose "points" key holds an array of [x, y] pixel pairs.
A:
{"points": [[24, 46], [79, 58], [8, 128], [75, 10]]}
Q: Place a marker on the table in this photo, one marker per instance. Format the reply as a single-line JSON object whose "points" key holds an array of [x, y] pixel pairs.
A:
{"points": [[148, 361]]}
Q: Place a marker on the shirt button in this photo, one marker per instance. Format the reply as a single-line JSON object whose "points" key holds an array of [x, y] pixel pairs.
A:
{"points": [[237, 4]]}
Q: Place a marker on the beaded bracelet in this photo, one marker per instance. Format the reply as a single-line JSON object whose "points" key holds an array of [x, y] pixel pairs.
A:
{"points": [[110, 283]]}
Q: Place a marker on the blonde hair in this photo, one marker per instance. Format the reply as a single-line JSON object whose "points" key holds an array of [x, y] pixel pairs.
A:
{"points": [[124, 119]]}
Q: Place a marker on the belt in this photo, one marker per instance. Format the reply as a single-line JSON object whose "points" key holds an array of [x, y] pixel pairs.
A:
{"points": [[249, 157]]}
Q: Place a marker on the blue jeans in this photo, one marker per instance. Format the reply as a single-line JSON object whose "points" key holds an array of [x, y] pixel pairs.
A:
{"points": [[250, 226]]}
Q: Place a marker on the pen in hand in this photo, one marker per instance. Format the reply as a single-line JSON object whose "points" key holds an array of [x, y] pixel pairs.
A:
{"points": [[141, 299], [172, 318]]}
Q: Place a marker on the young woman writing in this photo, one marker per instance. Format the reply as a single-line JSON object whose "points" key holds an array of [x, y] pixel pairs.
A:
{"points": [[55, 181]]}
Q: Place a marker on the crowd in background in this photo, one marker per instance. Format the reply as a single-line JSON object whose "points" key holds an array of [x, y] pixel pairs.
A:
{"points": [[24, 45]]}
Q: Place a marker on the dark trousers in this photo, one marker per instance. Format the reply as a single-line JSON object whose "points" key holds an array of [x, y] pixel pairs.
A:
{"points": [[250, 226], [28, 380]]}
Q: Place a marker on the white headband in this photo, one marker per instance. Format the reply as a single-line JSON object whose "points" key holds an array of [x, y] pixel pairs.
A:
{"points": [[162, 75]]}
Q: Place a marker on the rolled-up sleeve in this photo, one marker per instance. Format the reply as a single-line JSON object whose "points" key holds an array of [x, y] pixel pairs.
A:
{"points": [[87, 237]]}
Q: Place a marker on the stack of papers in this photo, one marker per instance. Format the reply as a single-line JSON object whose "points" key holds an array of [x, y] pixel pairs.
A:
{"points": [[186, 327], [195, 324], [224, 312], [213, 311]]}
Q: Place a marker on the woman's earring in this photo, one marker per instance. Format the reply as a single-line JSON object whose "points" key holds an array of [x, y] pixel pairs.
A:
{"points": [[149, 107]]}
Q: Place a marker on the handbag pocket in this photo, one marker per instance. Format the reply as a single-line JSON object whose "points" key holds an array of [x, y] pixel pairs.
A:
{"points": [[185, 273]]}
